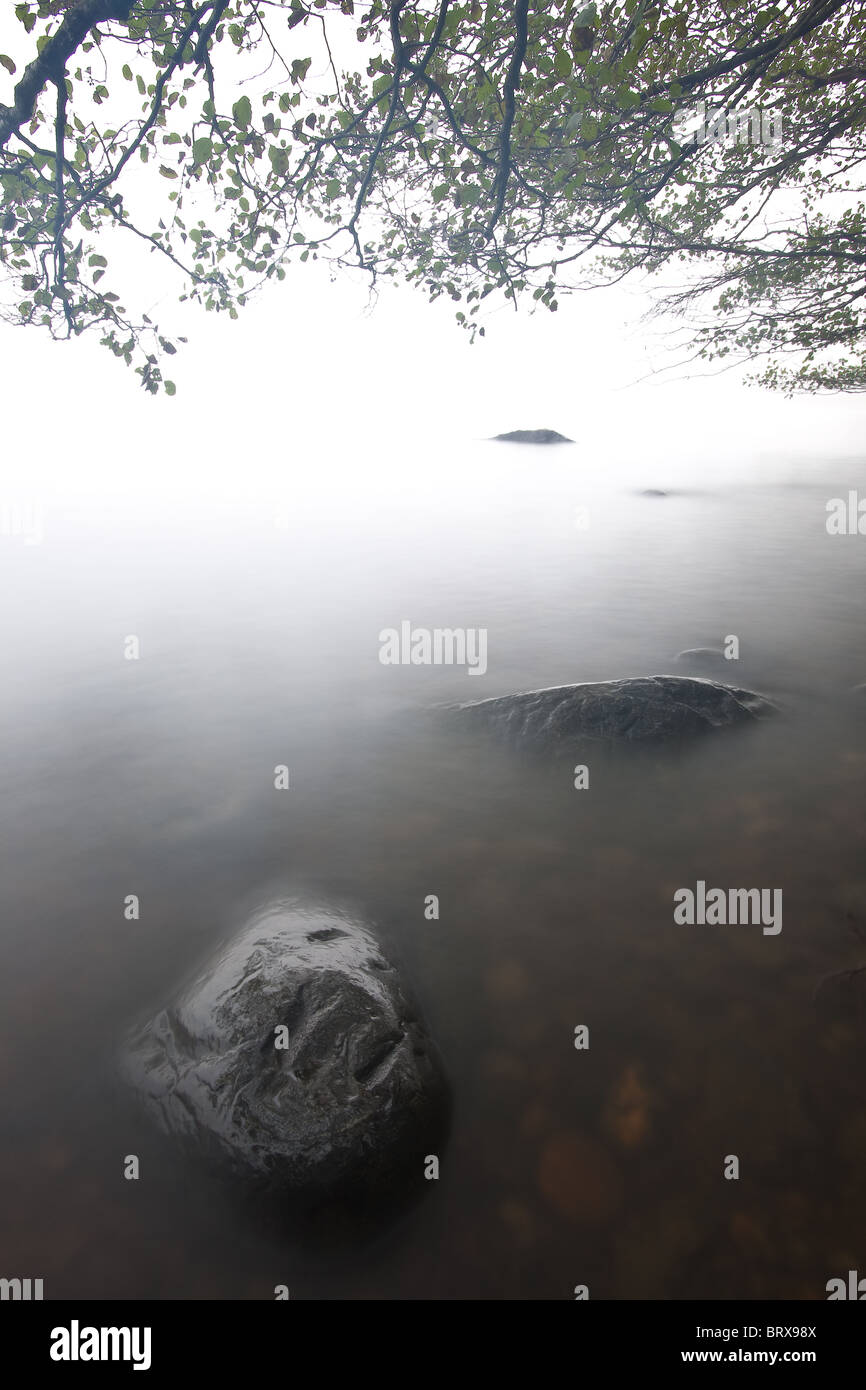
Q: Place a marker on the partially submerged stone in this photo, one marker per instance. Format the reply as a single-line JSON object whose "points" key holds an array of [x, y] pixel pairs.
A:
{"points": [[296, 1060], [641, 708], [710, 659]]}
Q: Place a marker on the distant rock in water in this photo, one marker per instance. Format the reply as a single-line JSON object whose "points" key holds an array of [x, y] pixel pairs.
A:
{"points": [[348, 1098], [533, 437], [774, 676], [642, 708], [653, 492]]}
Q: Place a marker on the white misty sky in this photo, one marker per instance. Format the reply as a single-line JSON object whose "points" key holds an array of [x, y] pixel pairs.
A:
{"points": [[308, 363]]}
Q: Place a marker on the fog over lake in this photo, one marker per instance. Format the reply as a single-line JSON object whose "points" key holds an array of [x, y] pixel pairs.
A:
{"points": [[258, 565]]}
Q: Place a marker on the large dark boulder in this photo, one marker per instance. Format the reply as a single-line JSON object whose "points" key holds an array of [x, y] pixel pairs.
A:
{"points": [[354, 1102], [650, 708], [533, 437]]}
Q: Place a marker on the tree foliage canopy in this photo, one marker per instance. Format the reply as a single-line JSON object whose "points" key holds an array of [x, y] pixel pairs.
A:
{"points": [[474, 148]]}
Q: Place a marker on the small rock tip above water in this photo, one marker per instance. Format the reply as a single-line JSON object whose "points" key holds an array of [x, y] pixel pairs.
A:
{"points": [[533, 437]]}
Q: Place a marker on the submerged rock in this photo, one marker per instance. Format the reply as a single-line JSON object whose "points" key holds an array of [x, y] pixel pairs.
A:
{"points": [[296, 1061], [702, 659], [533, 437], [841, 996], [650, 708]]}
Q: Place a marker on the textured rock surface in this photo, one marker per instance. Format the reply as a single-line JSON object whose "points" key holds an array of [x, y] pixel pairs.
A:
{"points": [[650, 708], [354, 1100], [534, 437]]}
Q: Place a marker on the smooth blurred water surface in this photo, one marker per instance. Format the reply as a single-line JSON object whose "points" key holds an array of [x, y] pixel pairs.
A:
{"points": [[258, 600]]}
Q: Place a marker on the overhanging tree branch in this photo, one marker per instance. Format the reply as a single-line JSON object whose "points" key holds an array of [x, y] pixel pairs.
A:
{"points": [[512, 82], [558, 165], [60, 214], [80, 18]]}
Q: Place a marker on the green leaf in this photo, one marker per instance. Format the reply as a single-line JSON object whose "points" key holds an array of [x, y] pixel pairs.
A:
{"points": [[127, 72], [242, 112], [332, 188], [441, 191], [166, 172], [562, 64], [170, 388], [97, 260], [202, 149], [7, 62]]}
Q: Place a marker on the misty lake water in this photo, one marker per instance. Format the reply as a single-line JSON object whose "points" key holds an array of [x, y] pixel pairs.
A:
{"points": [[258, 615]]}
